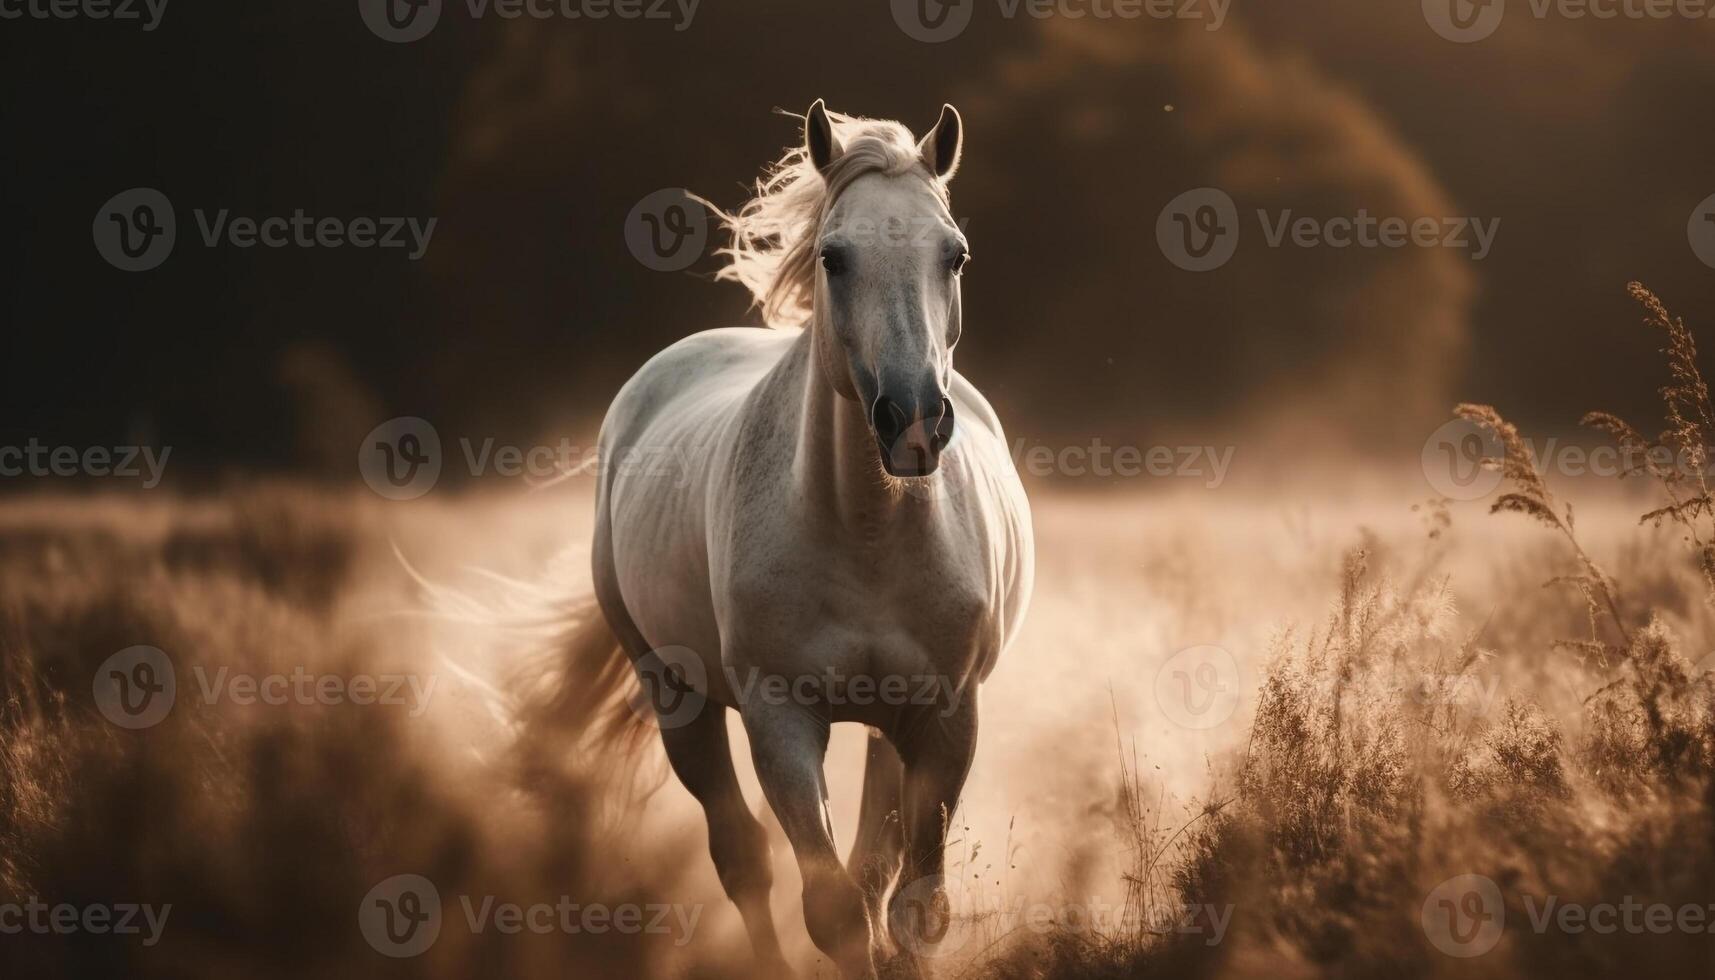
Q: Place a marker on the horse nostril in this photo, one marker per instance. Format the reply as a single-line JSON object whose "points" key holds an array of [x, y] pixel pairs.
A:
{"points": [[889, 419], [943, 431]]}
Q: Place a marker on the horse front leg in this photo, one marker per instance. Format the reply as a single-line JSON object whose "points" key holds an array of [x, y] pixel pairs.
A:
{"points": [[701, 757], [876, 851], [788, 743], [937, 744]]}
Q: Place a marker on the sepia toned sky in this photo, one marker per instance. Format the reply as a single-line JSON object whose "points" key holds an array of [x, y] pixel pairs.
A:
{"points": [[1583, 144]]}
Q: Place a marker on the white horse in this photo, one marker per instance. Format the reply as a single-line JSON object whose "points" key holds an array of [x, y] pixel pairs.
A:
{"points": [[824, 543]]}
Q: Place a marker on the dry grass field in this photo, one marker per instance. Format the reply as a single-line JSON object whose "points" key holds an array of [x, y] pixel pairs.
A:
{"points": [[1404, 693]]}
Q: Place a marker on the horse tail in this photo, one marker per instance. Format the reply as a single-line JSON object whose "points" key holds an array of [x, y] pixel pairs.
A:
{"points": [[579, 694], [566, 690]]}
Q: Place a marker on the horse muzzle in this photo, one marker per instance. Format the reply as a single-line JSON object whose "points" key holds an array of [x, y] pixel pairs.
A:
{"points": [[911, 435]]}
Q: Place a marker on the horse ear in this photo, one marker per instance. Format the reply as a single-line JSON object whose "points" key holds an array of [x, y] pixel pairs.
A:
{"points": [[941, 148], [819, 137]]}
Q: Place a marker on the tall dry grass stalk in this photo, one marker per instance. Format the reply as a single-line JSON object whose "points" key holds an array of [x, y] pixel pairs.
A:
{"points": [[1683, 470], [1383, 759], [1529, 495]]}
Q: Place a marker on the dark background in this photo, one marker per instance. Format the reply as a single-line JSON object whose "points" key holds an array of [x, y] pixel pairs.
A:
{"points": [[530, 141]]}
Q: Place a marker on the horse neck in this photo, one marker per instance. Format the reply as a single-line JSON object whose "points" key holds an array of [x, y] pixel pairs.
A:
{"points": [[836, 467]]}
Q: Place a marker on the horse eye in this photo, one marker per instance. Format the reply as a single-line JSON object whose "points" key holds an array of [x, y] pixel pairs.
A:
{"points": [[958, 265], [833, 261]]}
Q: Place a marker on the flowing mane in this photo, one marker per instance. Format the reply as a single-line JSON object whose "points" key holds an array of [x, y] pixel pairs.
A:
{"points": [[773, 248]]}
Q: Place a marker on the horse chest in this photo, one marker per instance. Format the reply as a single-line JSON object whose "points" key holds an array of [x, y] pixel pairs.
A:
{"points": [[919, 606]]}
